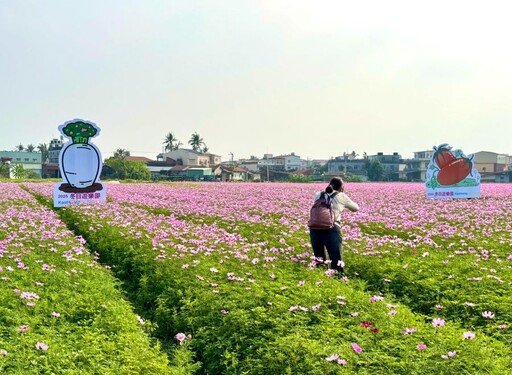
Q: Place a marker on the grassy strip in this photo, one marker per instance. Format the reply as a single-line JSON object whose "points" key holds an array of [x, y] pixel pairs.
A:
{"points": [[59, 310], [249, 309]]}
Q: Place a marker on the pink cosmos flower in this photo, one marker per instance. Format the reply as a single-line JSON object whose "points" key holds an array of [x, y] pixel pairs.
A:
{"points": [[392, 312], [376, 298], [438, 322], [23, 328], [180, 337], [332, 358], [488, 315], [502, 326], [329, 272], [408, 331], [41, 346], [449, 355], [421, 346], [468, 335], [342, 362], [356, 347], [29, 295], [57, 315], [366, 324], [224, 312], [3, 352]]}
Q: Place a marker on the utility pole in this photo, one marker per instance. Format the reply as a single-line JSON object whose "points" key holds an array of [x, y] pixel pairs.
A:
{"points": [[345, 154]]}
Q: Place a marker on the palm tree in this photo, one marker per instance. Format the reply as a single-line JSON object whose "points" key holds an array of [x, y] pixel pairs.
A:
{"points": [[20, 147], [171, 143], [205, 149], [18, 171], [30, 148], [43, 149], [196, 142], [121, 153]]}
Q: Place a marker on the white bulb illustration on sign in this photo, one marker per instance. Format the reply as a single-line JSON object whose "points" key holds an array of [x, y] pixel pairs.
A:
{"points": [[80, 165]]}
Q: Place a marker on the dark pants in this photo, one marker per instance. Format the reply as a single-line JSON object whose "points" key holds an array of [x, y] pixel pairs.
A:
{"points": [[329, 239]]}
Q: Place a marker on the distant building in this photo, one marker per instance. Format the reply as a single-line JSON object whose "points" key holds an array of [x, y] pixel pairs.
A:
{"points": [[31, 161], [156, 168], [142, 159], [493, 167], [51, 165], [394, 165], [250, 164], [188, 157], [416, 168], [341, 165], [290, 162]]}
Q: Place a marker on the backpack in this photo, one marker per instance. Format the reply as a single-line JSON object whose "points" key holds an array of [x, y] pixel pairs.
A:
{"points": [[321, 215]]}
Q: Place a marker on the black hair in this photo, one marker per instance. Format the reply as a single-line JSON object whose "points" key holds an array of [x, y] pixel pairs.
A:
{"points": [[335, 184]]}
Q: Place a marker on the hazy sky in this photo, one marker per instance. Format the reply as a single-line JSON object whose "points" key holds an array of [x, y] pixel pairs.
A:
{"points": [[317, 77]]}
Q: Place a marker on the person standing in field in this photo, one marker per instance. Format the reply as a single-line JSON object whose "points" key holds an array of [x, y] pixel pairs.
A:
{"points": [[330, 238]]}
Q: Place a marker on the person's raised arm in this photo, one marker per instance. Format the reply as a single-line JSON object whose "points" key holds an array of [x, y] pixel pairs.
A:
{"points": [[349, 204]]}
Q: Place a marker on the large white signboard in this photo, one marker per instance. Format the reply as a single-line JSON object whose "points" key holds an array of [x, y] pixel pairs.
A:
{"points": [[80, 165], [451, 174]]}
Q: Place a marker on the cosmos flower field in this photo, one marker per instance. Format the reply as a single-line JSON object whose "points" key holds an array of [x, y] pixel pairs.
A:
{"points": [[219, 278]]}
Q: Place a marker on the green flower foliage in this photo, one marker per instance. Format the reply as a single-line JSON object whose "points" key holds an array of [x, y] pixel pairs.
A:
{"points": [[60, 312], [232, 289]]}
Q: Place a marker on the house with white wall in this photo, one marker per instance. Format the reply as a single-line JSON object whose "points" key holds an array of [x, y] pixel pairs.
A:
{"points": [[250, 164], [289, 162], [189, 157]]}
